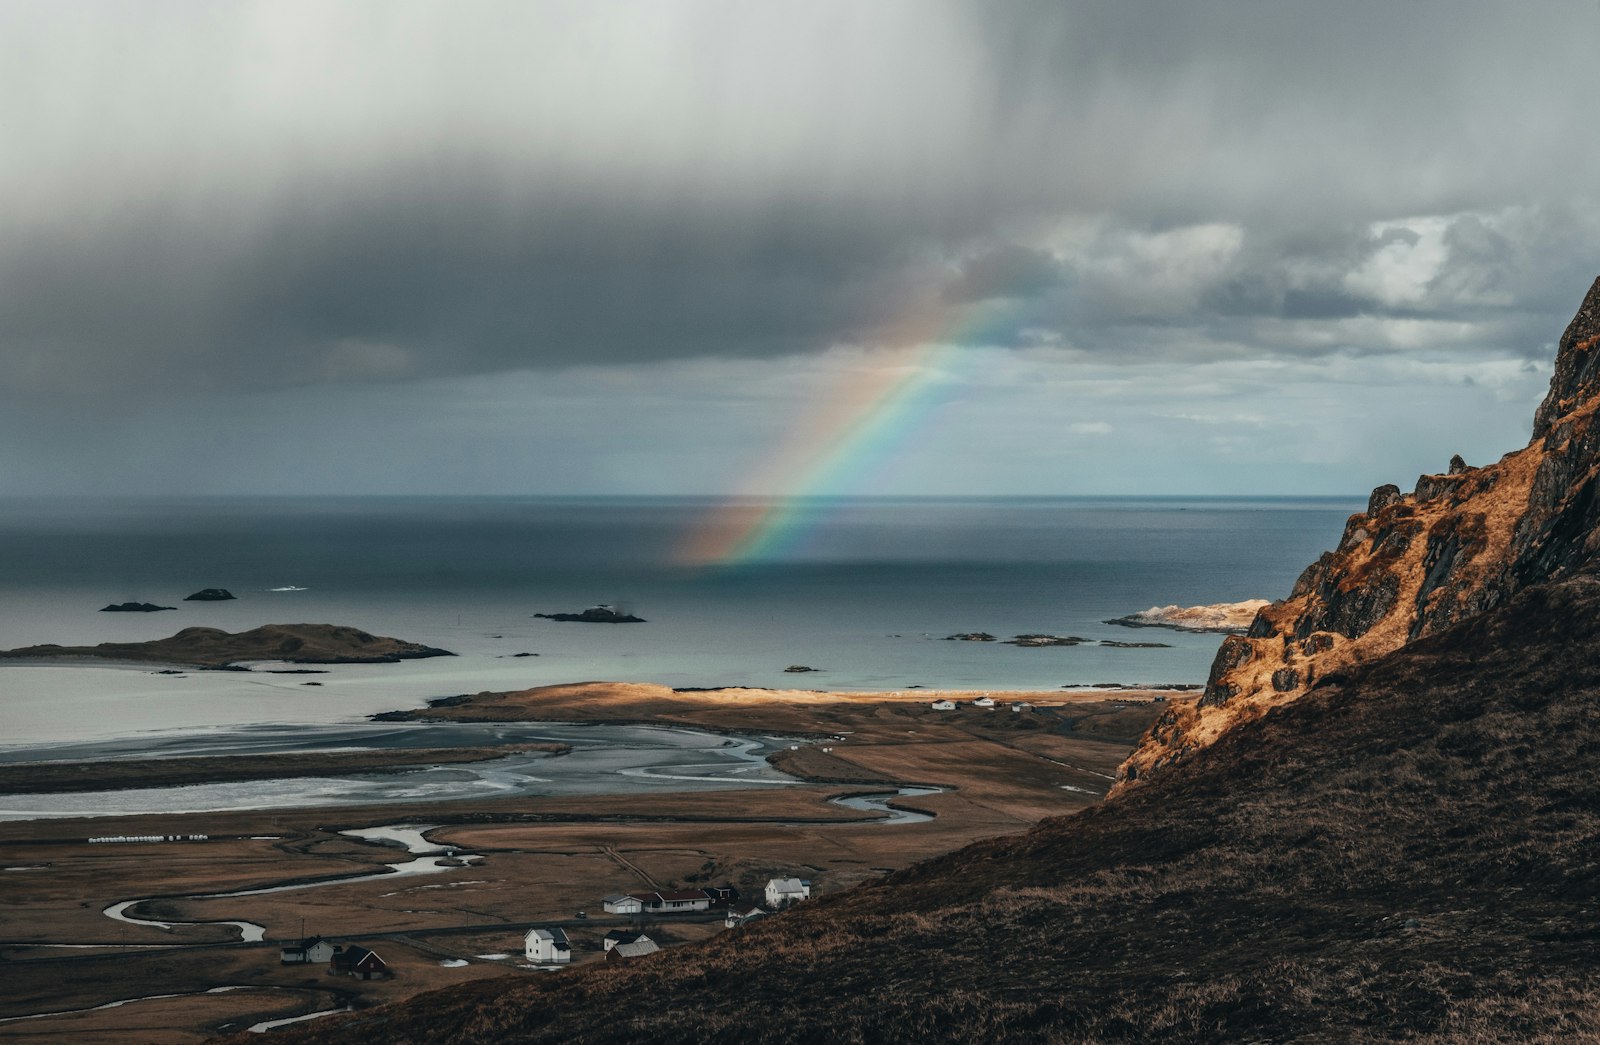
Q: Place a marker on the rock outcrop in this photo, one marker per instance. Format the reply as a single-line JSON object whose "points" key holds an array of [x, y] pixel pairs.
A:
{"points": [[594, 615], [1463, 542], [1224, 617]]}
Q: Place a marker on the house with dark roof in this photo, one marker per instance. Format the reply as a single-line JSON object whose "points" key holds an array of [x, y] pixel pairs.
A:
{"points": [[359, 963]]}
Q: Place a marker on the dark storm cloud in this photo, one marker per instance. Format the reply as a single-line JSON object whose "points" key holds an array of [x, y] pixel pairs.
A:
{"points": [[255, 195], [1007, 271]]}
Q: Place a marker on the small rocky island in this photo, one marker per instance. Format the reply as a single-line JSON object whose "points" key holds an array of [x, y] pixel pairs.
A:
{"points": [[210, 595], [134, 607], [594, 615], [215, 648], [1046, 640], [1224, 618]]}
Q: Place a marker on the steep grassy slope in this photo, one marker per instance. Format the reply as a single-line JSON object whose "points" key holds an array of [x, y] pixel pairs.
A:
{"points": [[1408, 852]]}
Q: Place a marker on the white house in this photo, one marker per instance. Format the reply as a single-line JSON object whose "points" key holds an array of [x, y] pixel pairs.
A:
{"points": [[315, 951], [783, 891], [622, 903], [547, 946], [943, 705], [984, 701], [1020, 706]]}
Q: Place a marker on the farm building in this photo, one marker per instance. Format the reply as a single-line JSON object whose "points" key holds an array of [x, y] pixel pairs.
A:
{"points": [[622, 903], [618, 937], [547, 946], [943, 705], [984, 701], [628, 945]]}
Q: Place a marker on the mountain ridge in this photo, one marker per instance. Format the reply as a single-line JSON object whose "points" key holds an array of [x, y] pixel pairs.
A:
{"points": [[1462, 542]]}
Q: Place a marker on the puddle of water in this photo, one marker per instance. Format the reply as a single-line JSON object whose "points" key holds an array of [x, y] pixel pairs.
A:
{"points": [[267, 1025], [407, 836]]}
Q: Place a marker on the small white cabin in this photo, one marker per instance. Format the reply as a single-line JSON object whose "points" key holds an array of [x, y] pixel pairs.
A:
{"points": [[943, 705], [622, 903], [547, 946], [783, 891], [984, 701], [1020, 706]]}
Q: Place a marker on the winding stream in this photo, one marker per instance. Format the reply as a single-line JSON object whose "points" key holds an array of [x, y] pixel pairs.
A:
{"points": [[409, 836], [147, 997], [429, 858], [878, 802]]}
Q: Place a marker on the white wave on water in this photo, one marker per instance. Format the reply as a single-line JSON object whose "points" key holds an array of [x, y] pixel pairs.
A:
{"points": [[289, 587]]}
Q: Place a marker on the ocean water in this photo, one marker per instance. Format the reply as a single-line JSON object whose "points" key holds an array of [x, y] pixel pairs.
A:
{"points": [[865, 593]]}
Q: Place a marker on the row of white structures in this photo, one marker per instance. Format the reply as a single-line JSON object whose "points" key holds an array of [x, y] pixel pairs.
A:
{"points": [[982, 702], [780, 892], [551, 946]]}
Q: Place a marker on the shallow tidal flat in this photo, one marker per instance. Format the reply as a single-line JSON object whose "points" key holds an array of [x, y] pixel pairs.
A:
{"points": [[33, 778]]}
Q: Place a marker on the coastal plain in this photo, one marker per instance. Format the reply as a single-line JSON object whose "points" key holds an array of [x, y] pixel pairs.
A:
{"points": [[977, 772]]}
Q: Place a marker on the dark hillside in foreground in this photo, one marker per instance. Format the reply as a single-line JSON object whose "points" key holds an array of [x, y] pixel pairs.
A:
{"points": [[1411, 852]]}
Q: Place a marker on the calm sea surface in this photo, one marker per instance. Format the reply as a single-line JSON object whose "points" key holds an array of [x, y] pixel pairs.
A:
{"points": [[865, 594]]}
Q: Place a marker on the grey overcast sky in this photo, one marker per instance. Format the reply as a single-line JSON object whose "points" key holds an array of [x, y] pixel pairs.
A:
{"points": [[1238, 246]]}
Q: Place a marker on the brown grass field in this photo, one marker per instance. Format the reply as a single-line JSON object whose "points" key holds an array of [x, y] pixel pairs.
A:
{"points": [[544, 859]]}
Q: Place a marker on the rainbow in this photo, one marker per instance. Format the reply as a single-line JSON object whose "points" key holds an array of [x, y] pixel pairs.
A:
{"points": [[856, 422]]}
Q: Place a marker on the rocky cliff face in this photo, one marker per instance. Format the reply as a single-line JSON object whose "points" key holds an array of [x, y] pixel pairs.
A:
{"points": [[1461, 543]]}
